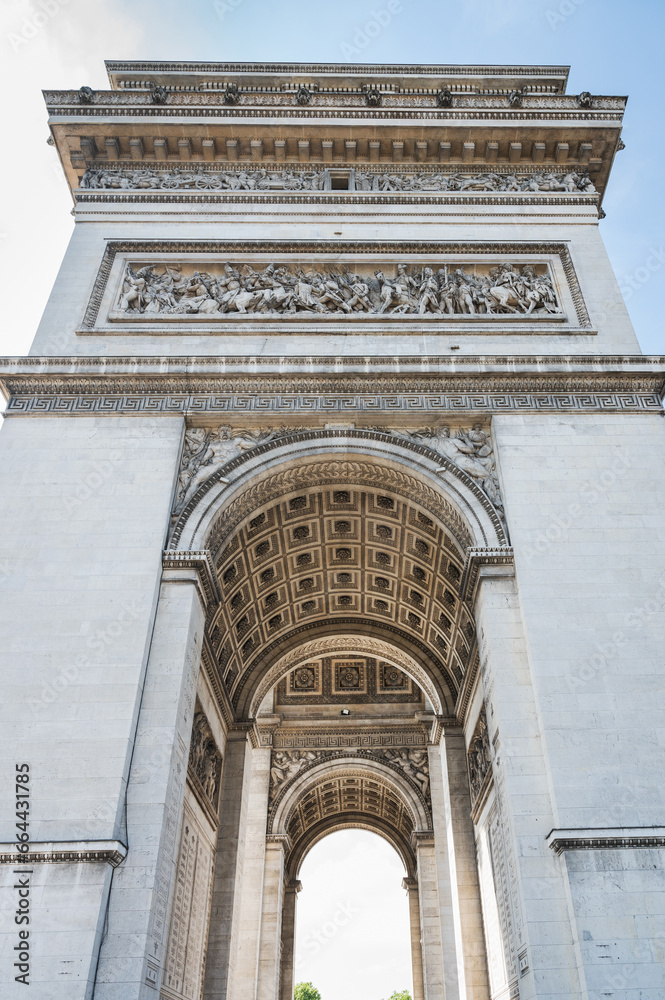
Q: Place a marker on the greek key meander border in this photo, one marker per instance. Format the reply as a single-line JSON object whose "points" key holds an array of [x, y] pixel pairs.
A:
{"points": [[231, 247], [190, 404]]}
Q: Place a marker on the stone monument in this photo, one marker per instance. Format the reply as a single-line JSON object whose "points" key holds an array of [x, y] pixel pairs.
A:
{"points": [[332, 495]]}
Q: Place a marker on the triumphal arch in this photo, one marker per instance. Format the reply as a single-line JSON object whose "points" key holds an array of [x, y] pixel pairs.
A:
{"points": [[332, 498]]}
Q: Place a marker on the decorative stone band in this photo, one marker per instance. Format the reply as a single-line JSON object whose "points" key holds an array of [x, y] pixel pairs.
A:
{"points": [[367, 737], [201, 562], [475, 559], [357, 253], [309, 177], [111, 852], [606, 838]]}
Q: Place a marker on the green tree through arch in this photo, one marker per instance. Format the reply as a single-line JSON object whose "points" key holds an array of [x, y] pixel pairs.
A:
{"points": [[306, 991]]}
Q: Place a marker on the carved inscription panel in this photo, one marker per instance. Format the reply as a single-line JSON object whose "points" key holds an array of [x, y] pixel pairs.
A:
{"points": [[185, 957]]}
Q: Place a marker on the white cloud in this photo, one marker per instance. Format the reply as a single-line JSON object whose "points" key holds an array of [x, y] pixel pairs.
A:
{"points": [[47, 44], [353, 938]]}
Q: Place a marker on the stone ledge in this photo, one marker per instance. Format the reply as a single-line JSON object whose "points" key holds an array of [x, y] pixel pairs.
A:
{"points": [[606, 838], [112, 852]]}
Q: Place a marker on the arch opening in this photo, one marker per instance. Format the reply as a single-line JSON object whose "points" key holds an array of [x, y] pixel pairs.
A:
{"points": [[353, 933]]}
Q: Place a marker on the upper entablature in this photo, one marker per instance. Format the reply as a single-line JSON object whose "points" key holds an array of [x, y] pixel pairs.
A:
{"points": [[499, 130], [338, 77]]}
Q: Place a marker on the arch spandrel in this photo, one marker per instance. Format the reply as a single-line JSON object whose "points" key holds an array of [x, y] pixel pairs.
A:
{"points": [[324, 457], [352, 792]]}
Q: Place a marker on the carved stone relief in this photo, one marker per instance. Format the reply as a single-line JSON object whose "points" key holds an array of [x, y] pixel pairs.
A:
{"points": [[266, 180], [485, 290], [470, 449], [479, 757], [206, 450], [205, 760], [287, 764]]}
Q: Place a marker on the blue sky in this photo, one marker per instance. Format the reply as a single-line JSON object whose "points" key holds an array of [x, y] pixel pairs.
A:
{"points": [[613, 48]]}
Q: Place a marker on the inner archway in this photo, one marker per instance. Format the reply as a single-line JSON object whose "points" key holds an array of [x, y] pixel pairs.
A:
{"points": [[341, 643], [353, 929]]}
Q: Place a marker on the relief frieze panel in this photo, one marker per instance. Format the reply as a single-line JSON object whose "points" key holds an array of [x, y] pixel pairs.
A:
{"points": [[186, 285], [180, 290], [410, 762], [204, 767], [267, 179]]}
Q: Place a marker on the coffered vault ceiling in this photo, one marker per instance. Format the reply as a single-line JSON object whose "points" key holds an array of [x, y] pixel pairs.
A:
{"points": [[344, 556]]}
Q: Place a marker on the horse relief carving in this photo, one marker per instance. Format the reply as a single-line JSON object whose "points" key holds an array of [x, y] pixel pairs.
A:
{"points": [[265, 180], [504, 289]]}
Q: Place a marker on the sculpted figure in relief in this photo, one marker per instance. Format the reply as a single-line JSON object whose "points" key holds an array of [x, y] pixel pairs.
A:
{"points": [[285, 764], [207, 450], [288, 289], [204, 756], [263, 179], [479, 757], [470, 450]]}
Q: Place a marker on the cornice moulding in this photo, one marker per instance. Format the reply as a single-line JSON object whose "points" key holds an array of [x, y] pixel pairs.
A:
{"points": [[609, 838], [215, 364], [111, 852], [202, 563], [148, 393]]}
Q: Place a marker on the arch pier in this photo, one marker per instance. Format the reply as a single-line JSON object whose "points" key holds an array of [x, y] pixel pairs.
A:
{"points": [[344, 658]]}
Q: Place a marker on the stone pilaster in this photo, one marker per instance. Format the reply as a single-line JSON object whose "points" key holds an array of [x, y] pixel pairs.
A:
{"points": [[132, 954], [464, 869], [271, 918], [287, 963], [246, 934], [411, 886], [228, 864], [538, 939], [430, 917]]}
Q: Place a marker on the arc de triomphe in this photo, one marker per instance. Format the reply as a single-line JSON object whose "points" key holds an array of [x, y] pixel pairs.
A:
{"points": [[332, 498]]}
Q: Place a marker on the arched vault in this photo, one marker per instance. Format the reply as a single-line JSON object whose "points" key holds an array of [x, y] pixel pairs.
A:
{"points": [[339, 538]]}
